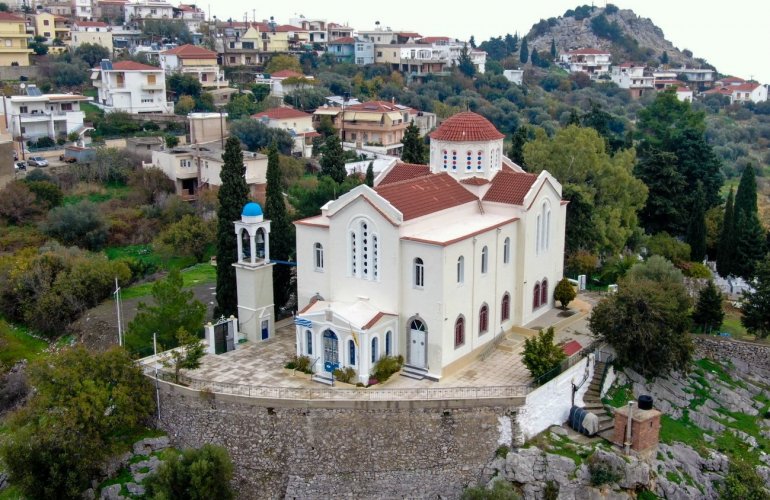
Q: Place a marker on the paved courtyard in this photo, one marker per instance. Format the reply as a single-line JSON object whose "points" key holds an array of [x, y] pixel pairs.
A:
{"points": [[262, 364]]}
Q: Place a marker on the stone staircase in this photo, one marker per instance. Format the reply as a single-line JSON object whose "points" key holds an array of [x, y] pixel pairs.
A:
{"points": [[413, 372], [511, 342], [322, 377], [593, 402]]}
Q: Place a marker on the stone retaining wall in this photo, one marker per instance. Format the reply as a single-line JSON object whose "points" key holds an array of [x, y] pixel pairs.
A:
{"points": [[330, 450], [754, 355]]}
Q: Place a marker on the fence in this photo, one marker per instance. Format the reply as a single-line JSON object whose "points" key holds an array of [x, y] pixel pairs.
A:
{"points": [[344, 394], [570, 362]]}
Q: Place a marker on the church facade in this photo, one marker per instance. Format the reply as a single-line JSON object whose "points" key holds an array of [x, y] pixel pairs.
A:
{"points": [[433, 262]]}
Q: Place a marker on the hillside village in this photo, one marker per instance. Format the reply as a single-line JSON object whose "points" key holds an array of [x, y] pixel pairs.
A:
{"points": [[292, 258]]}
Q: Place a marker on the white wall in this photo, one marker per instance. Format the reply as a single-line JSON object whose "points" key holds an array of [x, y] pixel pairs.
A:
{"points": [[550, 403], [310, 280]]}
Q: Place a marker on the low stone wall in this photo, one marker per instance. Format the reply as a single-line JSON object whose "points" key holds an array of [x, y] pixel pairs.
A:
{"points": [[756, 355], [15, 72], [328, 449]]}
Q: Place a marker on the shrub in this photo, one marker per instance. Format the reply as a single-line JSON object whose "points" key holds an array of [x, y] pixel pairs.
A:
{"points": [[501, 490], [346, 375], [564, 292], [541, 355], [387, 366], [195, 474], [300, 363], [669, 247], [742, 481], [602, 472], [47, 193], [502, 451], [695, 270], [82, 225]]}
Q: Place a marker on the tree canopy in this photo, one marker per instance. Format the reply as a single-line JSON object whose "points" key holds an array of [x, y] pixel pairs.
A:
{"points": [[257, 136], [756, 304], [282, 242], [414, 148]]}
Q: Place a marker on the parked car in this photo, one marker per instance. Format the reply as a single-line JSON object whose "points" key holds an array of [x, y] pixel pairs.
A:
{"points": [[37, 161], [20, 165]]}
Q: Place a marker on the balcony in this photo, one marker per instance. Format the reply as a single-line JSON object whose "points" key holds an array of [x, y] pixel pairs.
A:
{"points": [[152, 86]]}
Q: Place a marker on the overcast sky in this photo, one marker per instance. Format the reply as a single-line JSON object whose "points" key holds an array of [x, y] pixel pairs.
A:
{"points": [[733, 36]]}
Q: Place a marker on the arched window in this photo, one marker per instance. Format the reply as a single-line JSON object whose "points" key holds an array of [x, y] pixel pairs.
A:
{"points": [[479, 160], [364, 232], [484, 260], [459, 332], [469, 160], [351, 353], [419, 273], [544, 227], [375, 257], [389, 343], [309, 342], [454, 160], [544, 292], [446, 158], [318, 251], [506, 250], [364, 250], [537, 237], [505, 308], [260, 243], [460, 269], [484, 319], [353, 254], [375, 350], [536, 296]]}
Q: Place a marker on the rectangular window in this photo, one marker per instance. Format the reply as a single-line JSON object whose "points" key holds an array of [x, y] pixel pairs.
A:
{"points": [[23, 109], [151, 79], [419, 273], [66, 106]]}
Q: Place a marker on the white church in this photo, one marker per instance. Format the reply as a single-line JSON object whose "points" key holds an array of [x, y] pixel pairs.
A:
{"points": [[432, 263]]}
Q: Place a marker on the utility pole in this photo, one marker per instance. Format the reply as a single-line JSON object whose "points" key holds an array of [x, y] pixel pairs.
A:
{"points": [[118, 307], [157, 388]]}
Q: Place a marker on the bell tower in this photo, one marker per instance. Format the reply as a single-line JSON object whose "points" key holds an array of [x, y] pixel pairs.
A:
{"points": [[254, 275]]}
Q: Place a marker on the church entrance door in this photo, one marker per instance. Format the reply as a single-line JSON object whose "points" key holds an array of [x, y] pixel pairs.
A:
{"points": [[417, 343], [331, 352]]}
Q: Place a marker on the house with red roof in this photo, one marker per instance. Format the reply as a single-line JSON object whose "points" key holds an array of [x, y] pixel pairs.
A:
{"points": [[130, 87], [594, 62], [353, 50], [297, 123], [633, 77], [197, 61], [433, 263], [93, 32], [738, 90]]}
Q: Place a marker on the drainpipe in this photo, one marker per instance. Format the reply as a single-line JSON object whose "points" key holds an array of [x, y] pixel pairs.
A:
{"points": [[627, 444]]}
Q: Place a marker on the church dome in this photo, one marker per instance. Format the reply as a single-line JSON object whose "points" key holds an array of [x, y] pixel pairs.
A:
{"points": [[251, 209], [466, 127]]}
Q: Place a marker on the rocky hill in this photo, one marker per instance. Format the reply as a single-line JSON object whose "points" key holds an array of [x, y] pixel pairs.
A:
{"points": [[628, 36]]}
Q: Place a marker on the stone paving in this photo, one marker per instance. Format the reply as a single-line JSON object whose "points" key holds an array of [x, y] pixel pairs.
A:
{"points": [[262, 364]]}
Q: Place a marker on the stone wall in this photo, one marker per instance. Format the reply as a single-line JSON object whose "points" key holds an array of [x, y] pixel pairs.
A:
{"points": [[323, 449], [15, 72], [753, 355]]}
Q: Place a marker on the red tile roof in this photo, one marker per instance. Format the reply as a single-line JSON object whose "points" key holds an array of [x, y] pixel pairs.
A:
{"points": [[744, 87], [425, 195], [409, 34], [281, 114], [732, 79], [571, 347], [91, 24], [133, 66], [286, 73], [404, 171], [466, 127], [266, 27], [588, 52], [434, 39], [7, 16], [376, 106], [474, 181], [510, 187], [343, 40], [191, 51]]}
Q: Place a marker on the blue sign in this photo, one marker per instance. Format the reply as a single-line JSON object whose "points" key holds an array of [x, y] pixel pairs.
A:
{"points": [[330, 367], [306, 323]]}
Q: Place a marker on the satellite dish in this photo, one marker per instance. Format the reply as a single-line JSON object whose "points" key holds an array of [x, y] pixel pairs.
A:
{"points": [[22, 85]]}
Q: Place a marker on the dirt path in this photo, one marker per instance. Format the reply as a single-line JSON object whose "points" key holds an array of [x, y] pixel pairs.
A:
{"points": [[97, 329]]}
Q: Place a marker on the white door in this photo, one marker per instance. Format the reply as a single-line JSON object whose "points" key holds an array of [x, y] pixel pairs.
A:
{"points": [[417, 344]]}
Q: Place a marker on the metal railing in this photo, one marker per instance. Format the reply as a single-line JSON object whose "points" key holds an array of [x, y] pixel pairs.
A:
{"points": [[344, 394], [567, 364]]}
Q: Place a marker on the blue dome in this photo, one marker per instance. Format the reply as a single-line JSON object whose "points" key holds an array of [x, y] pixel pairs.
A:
{"points": [[252, 210]]}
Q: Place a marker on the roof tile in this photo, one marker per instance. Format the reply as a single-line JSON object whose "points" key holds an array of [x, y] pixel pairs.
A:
{"points": [[191, 51], [466, 127], [281, 114], [425, 195], [510, 187], [404, 171]]}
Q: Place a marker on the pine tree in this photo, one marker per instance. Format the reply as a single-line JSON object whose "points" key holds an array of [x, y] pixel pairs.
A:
{"points": [[518, 140], [553, 48], [233, 195], [472, 42], [333, 159], [281, 229], [708, 313], [414, 147], [696, 229], [524, 53], [749, 243], [465, 64], [746, 196], [756, 304], [370, 174], [726, 248]]}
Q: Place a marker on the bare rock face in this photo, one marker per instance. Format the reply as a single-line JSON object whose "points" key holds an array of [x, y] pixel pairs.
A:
{"points": [[569, 33]]}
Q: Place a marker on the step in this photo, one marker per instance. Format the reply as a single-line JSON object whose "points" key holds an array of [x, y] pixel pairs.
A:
{"points": [[602, 418], [608, 434], [593, 406], [322, 378], [606, 426], [413, 372]]}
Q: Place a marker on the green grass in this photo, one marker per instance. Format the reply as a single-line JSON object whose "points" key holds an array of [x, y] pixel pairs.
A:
{"points": [[646, 495], [17, 343], [683, 431], [619, 396], [110, 192], [195, 275], [674, 477], [11, 493]]}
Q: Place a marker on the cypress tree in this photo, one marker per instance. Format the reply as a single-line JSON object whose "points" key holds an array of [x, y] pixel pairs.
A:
{"points": [[756, 304], [370, 174], [281, 229], [414, 147], [726, 248], [233, 195], [524, 53], [333, 159], [708, 313], [749, 244], [696, 229], [746, 196], [553, 48]]}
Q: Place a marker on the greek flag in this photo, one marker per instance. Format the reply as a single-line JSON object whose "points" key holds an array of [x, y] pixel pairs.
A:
{"points": [[306, 323]]}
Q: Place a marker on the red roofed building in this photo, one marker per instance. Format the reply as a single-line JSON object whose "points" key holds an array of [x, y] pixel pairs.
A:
{"points": [[131, 87], [197, 61], [298, 123], [434, 262], [595, 62], [739, 91]]}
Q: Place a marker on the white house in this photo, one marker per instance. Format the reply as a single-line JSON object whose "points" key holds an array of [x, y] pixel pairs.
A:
{"points": [[277, 81], [595, 62], [297, 123], [131, 87], [433, 263], [38, 115], [631, 76], [147, 9], [197, 61], [94, 32], [739, 90], [515, 76]]}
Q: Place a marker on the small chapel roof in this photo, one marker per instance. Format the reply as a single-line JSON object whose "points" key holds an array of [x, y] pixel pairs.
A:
{"points": [[466, 127]]}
